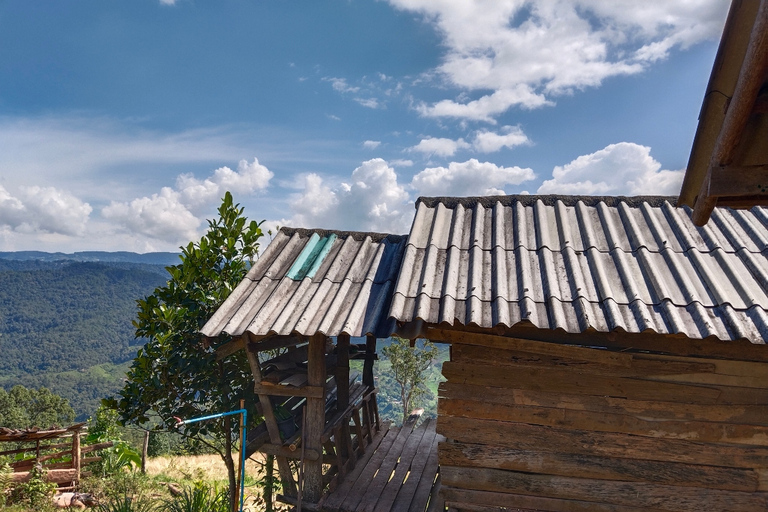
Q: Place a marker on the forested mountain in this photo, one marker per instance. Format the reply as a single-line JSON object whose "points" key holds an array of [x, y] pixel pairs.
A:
{"points": [[66, 324]]}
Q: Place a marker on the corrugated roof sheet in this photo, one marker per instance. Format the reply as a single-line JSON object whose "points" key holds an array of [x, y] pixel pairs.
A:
{"points": [[579, 263], [310, 281]]}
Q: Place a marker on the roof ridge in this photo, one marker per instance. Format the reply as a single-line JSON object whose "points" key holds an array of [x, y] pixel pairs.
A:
{"points": [[548, 200], [356, 235]]}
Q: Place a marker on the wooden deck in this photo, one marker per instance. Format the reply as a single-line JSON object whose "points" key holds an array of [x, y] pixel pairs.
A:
{"points": [[399, 472]]}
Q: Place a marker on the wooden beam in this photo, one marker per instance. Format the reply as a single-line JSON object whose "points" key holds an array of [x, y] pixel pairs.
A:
{"points": [[568, 380], [632, 343], [522, 436], [471, 501], [305, 391], [315, 420], [289, 486], [342, 398], [639, 494], [286, 451], [600, 468], [753, 70], [273, 342], [342, 371], [736, 181], [370, 351], [658, 410], [229, 348]]}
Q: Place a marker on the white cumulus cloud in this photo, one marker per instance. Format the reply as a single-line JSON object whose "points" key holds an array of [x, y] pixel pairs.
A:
{"points": [[372, 200], [161, 216], [439, 146], [371, 144], [249, 178], [525, 53], [470, 178], [509, 137], [175, 215], [44, 210], [625, 168]]}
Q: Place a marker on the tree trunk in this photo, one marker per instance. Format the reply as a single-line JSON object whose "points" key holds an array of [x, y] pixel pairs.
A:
{"points": [[230, 463], [406, 400], [269, 480]]}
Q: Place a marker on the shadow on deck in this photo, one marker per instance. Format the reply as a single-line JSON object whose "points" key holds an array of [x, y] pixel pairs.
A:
{"points": [[399, 472]]}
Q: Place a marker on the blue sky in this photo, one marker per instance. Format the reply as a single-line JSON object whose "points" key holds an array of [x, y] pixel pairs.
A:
{"points": [[123, 123]]}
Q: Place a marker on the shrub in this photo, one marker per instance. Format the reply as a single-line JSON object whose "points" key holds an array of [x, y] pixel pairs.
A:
{"points": [[200, 498]]}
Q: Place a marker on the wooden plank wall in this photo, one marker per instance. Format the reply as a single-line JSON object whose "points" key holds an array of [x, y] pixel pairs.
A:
{"points": [[542, 426]]}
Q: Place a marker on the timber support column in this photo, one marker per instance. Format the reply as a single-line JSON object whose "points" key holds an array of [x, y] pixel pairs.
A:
{"points": [[370, 352], [342, 391], [315, 421]]}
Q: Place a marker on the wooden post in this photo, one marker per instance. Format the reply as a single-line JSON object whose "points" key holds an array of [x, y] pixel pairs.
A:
{"points": [[241, 480], [370, 351], [342, 372], [289, 486], [144, 449], [342, 396], [313, 470], [76, 455]]}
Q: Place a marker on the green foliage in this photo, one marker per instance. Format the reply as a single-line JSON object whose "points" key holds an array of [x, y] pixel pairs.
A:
{"points": [[5, 482], [176, 374], [127, 504], [200, 498], [409, 367], [24, 408], [67, 326], [121, 456], [35, 492]]}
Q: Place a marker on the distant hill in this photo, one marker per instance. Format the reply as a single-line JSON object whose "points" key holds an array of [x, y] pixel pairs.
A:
{"points": [[151, 258], [66, 324]]}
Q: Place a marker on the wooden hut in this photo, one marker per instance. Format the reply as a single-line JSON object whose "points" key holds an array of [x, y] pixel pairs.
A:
{"points": [[606, 354]]}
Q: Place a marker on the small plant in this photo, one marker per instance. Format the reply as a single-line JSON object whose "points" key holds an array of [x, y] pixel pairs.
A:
{"points": [[200, 498], [6, 473], [37, 491], [127, 504]]}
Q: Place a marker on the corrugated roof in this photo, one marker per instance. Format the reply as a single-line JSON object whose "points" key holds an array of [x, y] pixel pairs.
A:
{"points": [[310, 281], [579, 263]]}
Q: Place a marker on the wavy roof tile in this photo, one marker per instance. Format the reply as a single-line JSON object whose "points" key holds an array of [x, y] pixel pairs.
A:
{"points": [[558, 262], [310, 281], [579, 263]]}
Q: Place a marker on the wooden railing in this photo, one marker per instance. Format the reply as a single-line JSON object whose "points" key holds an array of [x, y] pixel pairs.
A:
{"points": [[58, 452]]}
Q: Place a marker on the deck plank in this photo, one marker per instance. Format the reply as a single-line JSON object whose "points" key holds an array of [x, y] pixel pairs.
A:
{"points": [[381, 444], [407, 492], [427, 480], [373, 477], [391, 473], [397, 474]]}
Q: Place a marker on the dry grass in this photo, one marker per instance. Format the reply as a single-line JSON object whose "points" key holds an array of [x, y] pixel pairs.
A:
{"points": [[198, 467]]}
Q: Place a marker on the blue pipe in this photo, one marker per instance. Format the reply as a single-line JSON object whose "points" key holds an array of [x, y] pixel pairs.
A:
{"points": [[180, 422]]}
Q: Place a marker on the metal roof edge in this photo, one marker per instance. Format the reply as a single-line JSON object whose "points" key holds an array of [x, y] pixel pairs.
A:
{"points": [[547, 200], [356, 235]]}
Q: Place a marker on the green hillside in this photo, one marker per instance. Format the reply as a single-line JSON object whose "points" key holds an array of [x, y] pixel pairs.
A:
{"points": [[67, 325]]}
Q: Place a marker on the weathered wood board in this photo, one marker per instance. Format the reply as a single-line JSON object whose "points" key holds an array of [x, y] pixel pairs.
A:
{"points": [[538, 425]]}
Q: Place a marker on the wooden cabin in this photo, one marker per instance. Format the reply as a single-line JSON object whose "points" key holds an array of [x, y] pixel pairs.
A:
{"points": [[606, 355]]}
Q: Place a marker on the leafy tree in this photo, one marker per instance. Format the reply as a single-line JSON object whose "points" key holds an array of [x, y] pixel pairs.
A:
{"points": [[24, 408], [176, 373], [409, 366]]}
